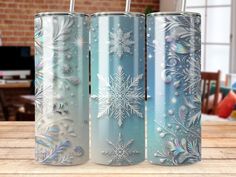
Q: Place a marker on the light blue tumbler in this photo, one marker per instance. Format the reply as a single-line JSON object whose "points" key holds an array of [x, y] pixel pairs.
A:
{"points": [[117, 101], [174, 88], [61, 88]]}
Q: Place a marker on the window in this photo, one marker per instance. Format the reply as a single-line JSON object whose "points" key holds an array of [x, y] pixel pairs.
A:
{"points": [[216, 30]]}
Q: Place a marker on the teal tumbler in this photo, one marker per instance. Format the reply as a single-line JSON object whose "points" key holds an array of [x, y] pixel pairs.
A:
{"points": [[117, 104], [174, 88], [61, 88]]}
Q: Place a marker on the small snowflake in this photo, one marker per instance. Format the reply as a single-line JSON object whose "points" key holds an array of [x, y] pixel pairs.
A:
{"points": [[43, 98], [120, 97], [39, 98], [67, 69], [120, 153], [120, 42], [61, 108]]}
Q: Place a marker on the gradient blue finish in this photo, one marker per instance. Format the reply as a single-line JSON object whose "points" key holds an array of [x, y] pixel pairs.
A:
{"points": [[174, 96], [61, 88], [116, 142]]}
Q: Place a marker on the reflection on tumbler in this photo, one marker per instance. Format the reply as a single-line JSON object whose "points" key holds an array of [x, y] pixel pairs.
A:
{"points": [[174, 91], [61, 88], [117, 110]]}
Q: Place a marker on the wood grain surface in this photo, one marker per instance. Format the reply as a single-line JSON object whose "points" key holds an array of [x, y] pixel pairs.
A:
{"points": [[218, 156]]}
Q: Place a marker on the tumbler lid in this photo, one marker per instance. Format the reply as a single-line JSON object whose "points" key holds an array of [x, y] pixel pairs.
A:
{"points": [[193, 14], [59, 13], [119, 13]]}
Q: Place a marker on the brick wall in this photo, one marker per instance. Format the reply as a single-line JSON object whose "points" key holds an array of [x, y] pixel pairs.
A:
{"points": [[16, 16]]}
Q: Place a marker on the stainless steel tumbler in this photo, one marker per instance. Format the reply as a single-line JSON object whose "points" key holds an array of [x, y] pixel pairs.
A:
{"points": [[117, 104], [174, 88], [61, 88]]}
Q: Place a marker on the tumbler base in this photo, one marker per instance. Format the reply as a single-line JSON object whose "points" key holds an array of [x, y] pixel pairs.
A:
{"points": [[173, 165], [117, 164], [62, 165]]}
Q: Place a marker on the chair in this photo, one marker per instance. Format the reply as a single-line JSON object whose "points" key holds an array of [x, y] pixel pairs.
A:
{"points": [[4, 107], [9, 103], [26, 114], [209, 78]]}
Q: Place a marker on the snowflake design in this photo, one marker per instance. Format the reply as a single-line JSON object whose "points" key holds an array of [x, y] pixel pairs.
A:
{"points": [[67, 69], [38, 70], [120, 42], [38, 98], [192, 75], [41, 94], [121, 152], [179, 151], [179, 131], [120, 97], [56, 84]]}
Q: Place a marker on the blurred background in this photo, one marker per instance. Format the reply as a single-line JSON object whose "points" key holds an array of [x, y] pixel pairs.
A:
{"points": [[17, 50]]}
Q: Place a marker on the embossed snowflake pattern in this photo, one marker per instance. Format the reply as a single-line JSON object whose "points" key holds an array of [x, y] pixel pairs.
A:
{"points": [[120, 42], [39, 98], [121, 152], [120, 97], [42, 100]]}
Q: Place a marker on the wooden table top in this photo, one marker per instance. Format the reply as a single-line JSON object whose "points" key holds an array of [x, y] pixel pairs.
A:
{"points": [[27, 99], [218, 156]]}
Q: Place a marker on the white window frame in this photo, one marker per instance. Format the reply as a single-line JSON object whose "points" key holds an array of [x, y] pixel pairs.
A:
{"points": [[231, 44], [233, 38]]}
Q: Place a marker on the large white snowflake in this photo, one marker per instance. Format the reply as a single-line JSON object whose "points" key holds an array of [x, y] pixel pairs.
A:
{"points": [[120, 153], [120, 42], [121, 96]]}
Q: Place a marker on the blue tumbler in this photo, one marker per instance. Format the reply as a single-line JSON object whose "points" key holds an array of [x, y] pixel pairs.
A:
{"points": [[61, 88], [174, 88], [117, 101]]}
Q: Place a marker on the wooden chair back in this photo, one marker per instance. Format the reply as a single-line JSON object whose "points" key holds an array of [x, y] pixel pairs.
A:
{"points": [[28, 114], [4, 107], [207, 79]]}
